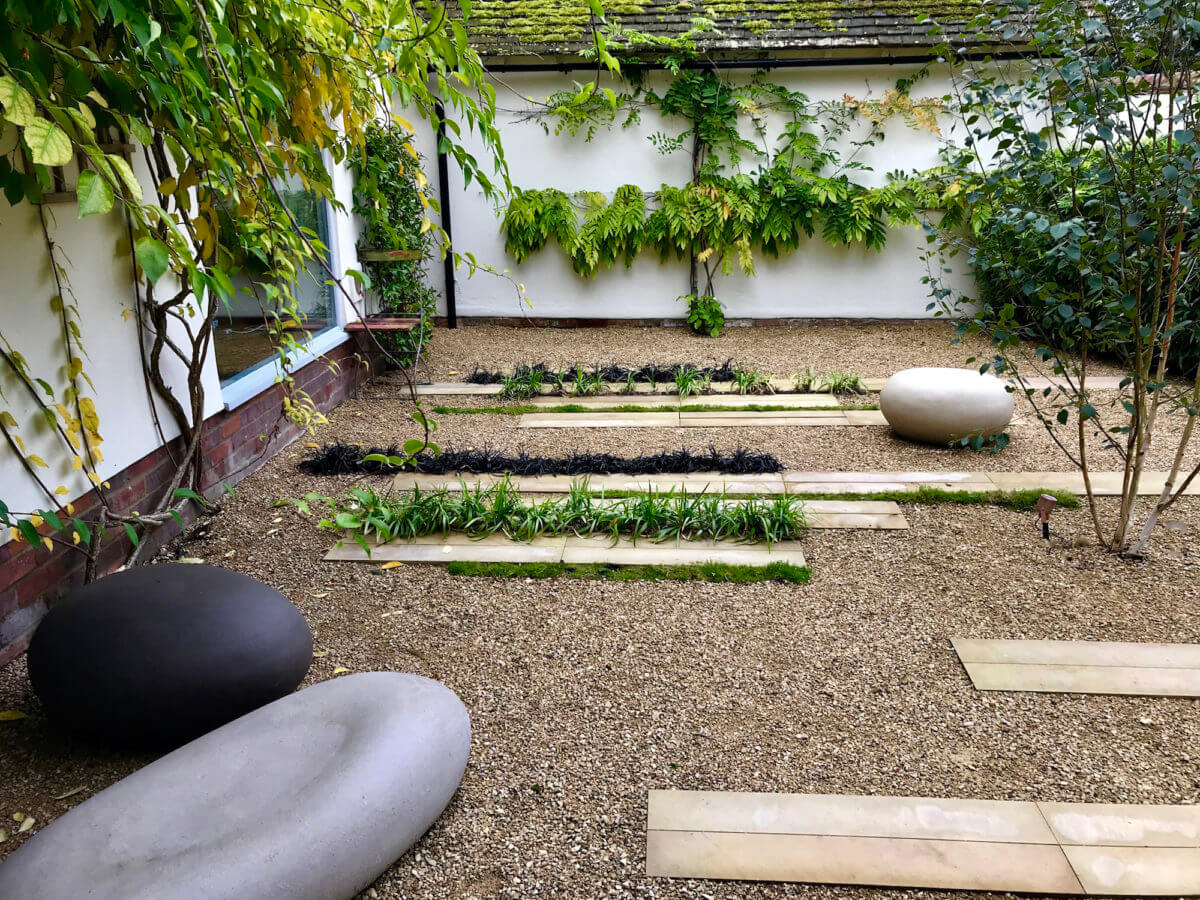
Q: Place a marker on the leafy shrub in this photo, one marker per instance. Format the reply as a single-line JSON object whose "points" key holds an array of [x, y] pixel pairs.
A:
{"points": [[748, 381], [705, 315], [387, 197], [481, 510]]}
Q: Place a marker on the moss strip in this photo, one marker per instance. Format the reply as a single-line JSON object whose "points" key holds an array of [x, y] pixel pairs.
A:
{"points": [[718, 572]]}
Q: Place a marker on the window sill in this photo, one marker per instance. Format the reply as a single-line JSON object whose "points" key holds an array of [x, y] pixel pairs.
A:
{"points": [[249, 384]]}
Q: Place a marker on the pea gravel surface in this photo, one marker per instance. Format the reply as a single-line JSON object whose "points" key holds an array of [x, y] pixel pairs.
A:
{"points": [[586, 695]]}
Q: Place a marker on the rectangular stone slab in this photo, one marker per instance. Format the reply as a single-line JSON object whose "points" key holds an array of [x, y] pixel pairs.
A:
{"points": [[437, 549], [920, 842], [1137, 871], [892, 862], [602, 551], [849, 815], [451, 548], [599, 420], [1117, 680], [1079, 653], [1123, 824], [449, 388], [670, 401], [1082, 667]]}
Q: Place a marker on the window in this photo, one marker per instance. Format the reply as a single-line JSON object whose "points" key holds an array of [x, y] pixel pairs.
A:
{"points": [[241, 341]]}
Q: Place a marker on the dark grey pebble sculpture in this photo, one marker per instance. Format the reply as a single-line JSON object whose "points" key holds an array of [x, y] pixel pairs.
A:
{"points": [[154, 656], [308, 798]]}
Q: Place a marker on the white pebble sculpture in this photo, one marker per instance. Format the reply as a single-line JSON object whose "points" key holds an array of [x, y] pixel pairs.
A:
{"points": [[943, 406]]}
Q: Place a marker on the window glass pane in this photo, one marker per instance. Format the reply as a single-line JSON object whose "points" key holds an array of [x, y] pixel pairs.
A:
{"points": [[241, 340]]}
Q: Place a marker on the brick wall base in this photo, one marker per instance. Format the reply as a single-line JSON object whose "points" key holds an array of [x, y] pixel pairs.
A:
{"points": [[236, 442]]}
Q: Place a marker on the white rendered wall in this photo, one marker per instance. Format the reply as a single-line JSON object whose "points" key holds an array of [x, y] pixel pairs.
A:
{"points": [[818, 280], [100, 282]]}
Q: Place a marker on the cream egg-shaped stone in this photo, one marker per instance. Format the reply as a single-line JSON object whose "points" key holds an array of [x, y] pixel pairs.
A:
{"points": [[942, 406]]}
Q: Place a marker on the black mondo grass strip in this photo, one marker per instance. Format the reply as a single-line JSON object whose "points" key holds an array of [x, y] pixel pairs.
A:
{"points": [[657, 374], [348, 459]]}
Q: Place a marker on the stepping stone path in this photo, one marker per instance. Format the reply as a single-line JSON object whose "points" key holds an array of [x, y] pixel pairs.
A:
{"points": [[309, 797], [918, 842], [779, 418], [572, 550], [1103, 483], [1082, 667]]}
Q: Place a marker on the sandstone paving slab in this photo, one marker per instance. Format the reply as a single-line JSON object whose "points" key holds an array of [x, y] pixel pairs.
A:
{"points": [[602, 551], [762, 420], [889, 862], [452, 548], [1137, 871], [865, 417], [1079, 653], [1117, 680], [849, 815], [891, 477], [920, 842], [437, 549], [452, 388], [1123, 824], [599, 420]]}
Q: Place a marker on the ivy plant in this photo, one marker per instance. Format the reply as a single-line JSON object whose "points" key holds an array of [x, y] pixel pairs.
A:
{"points": [[388, 197]]}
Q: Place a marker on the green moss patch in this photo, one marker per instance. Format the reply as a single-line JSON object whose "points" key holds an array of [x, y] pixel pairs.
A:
{"points": [[717, 572]]}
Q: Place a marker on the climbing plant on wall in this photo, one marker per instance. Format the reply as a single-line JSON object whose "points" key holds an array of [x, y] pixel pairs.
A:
{"points": [[389, 198], [221, 101], [749, 194]]}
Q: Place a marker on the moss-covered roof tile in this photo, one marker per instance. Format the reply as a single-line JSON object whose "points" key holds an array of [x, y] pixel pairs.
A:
{"points": [[501, 28]]}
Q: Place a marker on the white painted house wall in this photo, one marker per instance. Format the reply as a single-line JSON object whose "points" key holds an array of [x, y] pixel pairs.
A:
{"points": [[817, 281], [101, 285]]}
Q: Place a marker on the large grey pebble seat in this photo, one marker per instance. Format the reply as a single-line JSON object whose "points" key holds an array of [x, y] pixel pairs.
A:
{"points": [[942, 406], [157, 655], [312, 796]]}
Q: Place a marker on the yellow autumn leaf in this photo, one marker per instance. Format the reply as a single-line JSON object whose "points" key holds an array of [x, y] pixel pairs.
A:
{"points": [[167, 187], [126, 313], [339, 670], [61, 490], [87, 406], [11, 715], [36, 521], [7, 420], [93, 477], [75, 536], [76, 463], [47, 543], [37, 460], [70, 508], [393, 564]]}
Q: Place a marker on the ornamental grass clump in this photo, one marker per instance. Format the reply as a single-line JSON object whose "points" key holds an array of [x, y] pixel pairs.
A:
{"points": [[478, 510]]}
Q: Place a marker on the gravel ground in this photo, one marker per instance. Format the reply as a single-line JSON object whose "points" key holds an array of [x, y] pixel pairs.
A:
{"points": [[866, 349], [585, 695]]}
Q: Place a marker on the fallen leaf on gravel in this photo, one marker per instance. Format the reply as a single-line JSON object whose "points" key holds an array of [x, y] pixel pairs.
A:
{"points": [[313, 446], [26, 825], [339, 670], [394, 564], [320, 596], [317, 654], [190, 560], [11, 715], [230, 554], [70, 793], [3, 835]]}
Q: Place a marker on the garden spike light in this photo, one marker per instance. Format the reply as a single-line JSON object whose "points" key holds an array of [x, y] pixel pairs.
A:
{"points": [[1045, 506]]}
